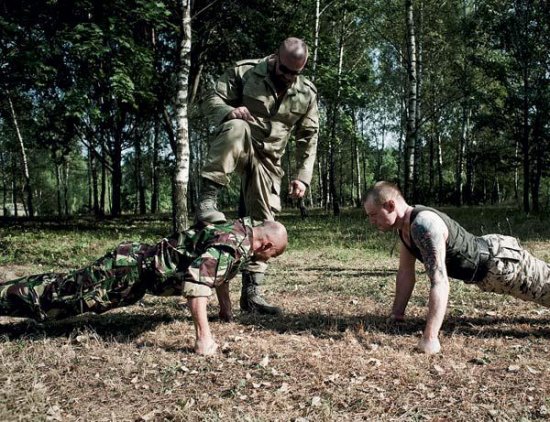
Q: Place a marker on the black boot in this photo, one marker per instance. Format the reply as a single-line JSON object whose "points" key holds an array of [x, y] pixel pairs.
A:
{"points": [[207, 209], [251, 299]]}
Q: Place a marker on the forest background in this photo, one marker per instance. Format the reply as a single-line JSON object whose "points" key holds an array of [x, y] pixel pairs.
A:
{"points": [[100, 105], [99, 116]]}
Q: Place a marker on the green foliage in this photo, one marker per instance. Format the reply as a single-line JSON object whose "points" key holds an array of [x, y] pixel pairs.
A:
{"points": [[90, 79]]}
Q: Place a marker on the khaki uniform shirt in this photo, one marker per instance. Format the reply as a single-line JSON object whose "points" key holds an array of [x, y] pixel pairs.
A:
{"points": [[249, 84]]}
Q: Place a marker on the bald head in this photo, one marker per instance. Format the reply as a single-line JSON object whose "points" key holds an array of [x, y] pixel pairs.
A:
{"points": [[294, 49], [270, 240]]}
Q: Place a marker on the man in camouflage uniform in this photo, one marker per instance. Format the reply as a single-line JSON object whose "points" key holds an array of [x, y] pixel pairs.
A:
{"points": [[493, 262], [188, 263], [256, 106]]}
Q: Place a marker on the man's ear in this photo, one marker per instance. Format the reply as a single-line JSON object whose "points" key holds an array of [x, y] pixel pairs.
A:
{"points": [[389, 205], [266, 246]]}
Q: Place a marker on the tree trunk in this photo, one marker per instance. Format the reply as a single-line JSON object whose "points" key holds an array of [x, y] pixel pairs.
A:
{"points": [[116, 157], [461, 154], [140, 186], [65, 181], [94, 181], [155, 183], [525, 141], [27, 188], [58, 189], [410, 137], [538, 141], [103, 194], [439, 169], [417, 175], [181, 174], [3, 169], [516, 172], [14, 185], [335, 111]]}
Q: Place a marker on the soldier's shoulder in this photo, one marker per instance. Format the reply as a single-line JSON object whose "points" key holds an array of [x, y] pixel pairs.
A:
{"points": [[248, 62], [309, 85]]}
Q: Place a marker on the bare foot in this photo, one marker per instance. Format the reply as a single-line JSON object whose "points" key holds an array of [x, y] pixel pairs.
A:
{"points": [[206, 347], [226, 316]]}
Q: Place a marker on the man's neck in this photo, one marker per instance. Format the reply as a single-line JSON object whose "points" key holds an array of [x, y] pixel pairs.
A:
{"points": [[403, 220]]}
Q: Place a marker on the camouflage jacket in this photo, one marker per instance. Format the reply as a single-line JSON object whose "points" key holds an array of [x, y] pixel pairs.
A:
{"points": [[249, 84], [209, 255]]}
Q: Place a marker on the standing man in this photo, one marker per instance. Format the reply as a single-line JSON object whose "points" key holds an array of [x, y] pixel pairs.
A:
{"points": [[494, 263], [257, 105], [188, 263]]}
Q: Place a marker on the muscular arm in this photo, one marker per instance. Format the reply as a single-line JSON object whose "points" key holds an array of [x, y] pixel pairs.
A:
{"points": [[430, 234], [404, 283]]}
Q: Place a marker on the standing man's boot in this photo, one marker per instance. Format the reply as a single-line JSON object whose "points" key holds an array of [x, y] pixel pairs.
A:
{"points": [[251, 299], [207, 209]]}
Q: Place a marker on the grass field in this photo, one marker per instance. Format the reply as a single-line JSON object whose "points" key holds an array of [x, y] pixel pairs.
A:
{"points": [[331, 356]]}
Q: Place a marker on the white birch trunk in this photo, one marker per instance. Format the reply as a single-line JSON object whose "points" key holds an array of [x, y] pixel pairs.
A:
{"points": [[181, 175], [25, 163]]}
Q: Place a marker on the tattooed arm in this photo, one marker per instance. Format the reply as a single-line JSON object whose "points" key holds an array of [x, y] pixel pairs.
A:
{"points": [[404, 283], [430, 233]]}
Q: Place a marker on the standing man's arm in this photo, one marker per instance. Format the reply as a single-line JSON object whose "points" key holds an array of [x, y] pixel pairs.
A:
{"points": [[307, 131], [225, 99], [404, 283], [430, 233]]}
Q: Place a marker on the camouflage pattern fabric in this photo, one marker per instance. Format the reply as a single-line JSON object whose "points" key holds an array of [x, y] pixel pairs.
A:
{"points": [[514, 271], [207, 255]]}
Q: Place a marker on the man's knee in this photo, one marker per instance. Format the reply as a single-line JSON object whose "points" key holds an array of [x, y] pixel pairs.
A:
{"points": [[235, 129]]}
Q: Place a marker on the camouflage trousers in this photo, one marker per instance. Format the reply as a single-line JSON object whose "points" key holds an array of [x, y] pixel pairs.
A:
{"points": [[514, 271], [119, 278]]}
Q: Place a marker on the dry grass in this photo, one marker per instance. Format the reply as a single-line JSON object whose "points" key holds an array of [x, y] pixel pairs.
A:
{"points": [[331, 356]]}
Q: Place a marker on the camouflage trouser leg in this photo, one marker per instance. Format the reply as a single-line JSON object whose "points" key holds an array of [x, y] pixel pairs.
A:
{"points": [[514, 271], [112, 281]]}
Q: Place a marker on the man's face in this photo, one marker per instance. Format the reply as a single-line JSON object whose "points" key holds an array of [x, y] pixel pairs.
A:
{"points": [[287, 68], [264, 253], [381, 216]]}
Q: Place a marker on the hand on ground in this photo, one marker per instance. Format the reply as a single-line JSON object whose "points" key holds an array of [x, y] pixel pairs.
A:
{"points": [[428, 346], [393, 319], [206, 347]]}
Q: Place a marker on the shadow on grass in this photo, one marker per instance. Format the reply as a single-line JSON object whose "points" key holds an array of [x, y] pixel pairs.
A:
{"points": [[334, 326], [352, 272], [126, 327], [123, 327]]}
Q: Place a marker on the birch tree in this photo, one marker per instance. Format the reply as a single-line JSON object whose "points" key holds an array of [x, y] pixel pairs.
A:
{"points": [[181, 174]]}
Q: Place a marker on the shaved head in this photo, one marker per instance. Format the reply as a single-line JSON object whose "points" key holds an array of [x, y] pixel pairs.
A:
{"points": [[294, 48], [270, 240], [382, 192], [275, 233]]}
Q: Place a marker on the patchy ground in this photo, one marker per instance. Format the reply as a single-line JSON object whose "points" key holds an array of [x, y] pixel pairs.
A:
{"points": [[331, 356]]}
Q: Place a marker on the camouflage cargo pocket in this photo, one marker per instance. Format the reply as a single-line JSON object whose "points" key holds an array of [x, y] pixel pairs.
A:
{"points": [[507, 258]]}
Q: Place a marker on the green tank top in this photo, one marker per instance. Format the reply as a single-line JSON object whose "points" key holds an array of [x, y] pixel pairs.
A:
{"points": [[464, 259]]}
